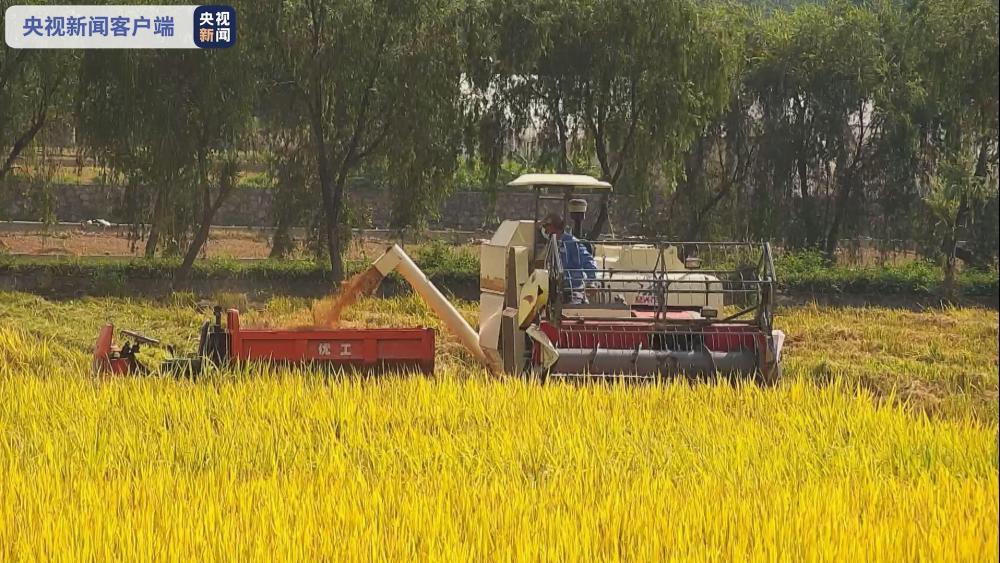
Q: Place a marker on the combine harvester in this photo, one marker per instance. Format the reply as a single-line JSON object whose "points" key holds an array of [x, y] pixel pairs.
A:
{"points": [[650, 309]]}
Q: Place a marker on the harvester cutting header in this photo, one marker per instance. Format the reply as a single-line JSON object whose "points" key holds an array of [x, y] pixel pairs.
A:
{"points": [[551, 305]]}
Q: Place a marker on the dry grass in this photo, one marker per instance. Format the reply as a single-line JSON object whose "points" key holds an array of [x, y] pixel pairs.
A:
{"points": [[942, 361]]}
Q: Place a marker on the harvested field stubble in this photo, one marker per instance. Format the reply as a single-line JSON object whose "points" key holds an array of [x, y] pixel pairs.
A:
{"points": [[275, 462]]}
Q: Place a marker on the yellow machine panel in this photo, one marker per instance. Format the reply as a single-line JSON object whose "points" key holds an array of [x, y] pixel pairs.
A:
{"points": [[494, 268]]}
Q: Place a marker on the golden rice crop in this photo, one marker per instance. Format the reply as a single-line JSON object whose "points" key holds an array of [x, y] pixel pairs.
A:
{"points": [[271, 463]]}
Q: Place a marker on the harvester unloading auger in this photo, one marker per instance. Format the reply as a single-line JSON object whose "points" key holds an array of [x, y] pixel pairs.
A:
{"points": [[649, 309]]}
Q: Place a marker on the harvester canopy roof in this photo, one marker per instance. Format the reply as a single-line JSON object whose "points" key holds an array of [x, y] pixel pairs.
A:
{"points": [[579, 181]]}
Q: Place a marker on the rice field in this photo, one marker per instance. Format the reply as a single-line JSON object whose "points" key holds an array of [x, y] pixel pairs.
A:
{"points": [[880, 444]]}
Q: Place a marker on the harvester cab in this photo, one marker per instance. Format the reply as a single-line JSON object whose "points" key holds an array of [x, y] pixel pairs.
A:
{"points": [[644, 307]]}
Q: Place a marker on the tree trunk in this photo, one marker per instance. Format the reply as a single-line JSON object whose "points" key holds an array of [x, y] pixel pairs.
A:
{"points": [[331, 212], [694, 233], [199, 240], [561, 133], [602, 158], [602, 218], [154, 226], [20, 144], [286, 207], [845, 186], [281, 240], [807, 211], [950, 248], [949, 265], [330, 193], [833, 235], [201, 236], [335, 214], [694, 173]]}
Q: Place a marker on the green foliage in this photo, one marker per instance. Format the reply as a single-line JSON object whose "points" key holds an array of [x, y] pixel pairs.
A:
{"points": [[957, 118], [715, 120], [802, 262], [798, 272], [811, 272], [256, 181], [953, 189], [164, 268], [438, 258], [472, 173]]}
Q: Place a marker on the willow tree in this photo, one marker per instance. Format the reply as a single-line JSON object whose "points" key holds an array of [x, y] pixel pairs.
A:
{"points": [[34, 86], [820, 82], [654, 76], [169, 125], [716, 164], [376, 84], [955, 46], [614, 88]]}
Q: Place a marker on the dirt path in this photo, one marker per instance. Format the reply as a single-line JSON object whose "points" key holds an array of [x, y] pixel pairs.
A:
{"points": [[227, 243]]}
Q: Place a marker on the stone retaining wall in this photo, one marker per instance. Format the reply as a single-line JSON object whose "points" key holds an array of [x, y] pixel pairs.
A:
{"points": [[462, 210]]}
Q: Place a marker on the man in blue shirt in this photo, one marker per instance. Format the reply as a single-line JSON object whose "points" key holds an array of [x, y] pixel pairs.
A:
{"points": [[577, 261]]}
